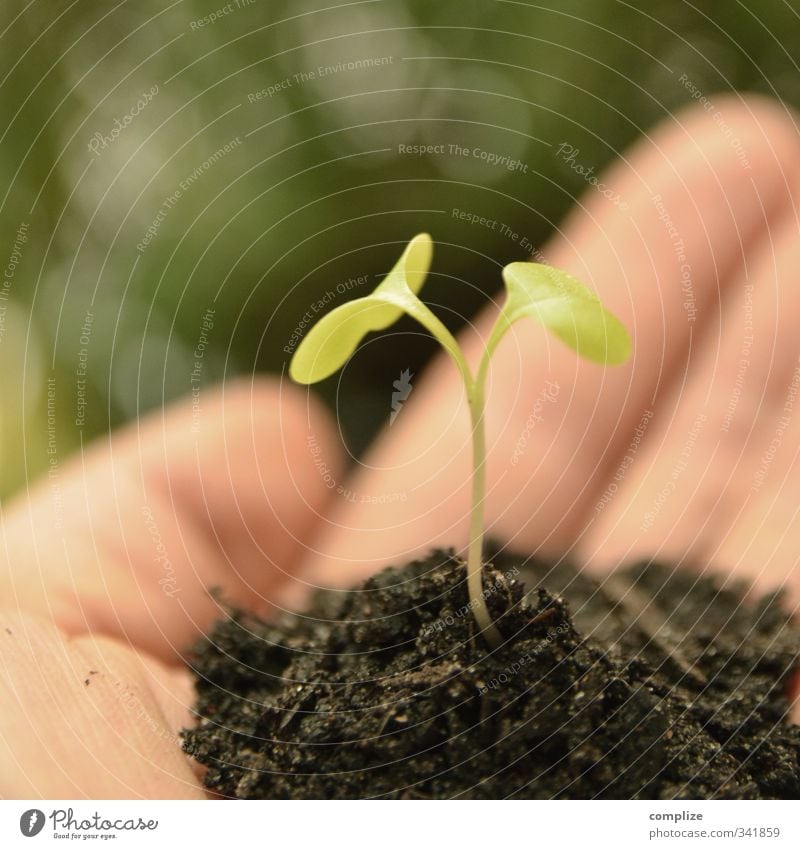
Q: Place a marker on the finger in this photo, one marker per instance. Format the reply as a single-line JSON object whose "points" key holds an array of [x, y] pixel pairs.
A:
{"points": [[86, 719], [763, 541], [715, 480], [129, 538], [692, 204]]}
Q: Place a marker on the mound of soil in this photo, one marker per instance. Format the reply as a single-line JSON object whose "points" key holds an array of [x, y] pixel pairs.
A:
{"points": [[654, 684]]}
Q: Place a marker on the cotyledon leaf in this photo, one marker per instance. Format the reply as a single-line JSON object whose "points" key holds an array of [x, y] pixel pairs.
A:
{"points": [[334, 338], [567, 308]]}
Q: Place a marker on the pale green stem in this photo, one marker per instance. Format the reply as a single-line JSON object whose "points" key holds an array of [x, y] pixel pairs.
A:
{"points": [[419, 311], [475, 551], [475, 398]]}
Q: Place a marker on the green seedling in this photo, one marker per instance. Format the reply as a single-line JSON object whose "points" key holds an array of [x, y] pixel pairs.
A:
{"points": [[555, 299]]}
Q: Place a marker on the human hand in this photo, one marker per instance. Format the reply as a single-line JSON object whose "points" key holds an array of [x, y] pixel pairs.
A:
{"points": [[105, 572], [151, 520]]}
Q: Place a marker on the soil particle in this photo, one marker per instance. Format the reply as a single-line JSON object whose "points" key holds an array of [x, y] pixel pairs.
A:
{"points": [[657, 684]]}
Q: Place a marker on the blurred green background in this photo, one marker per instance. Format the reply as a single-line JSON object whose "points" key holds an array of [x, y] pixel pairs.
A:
{"points": [[260, 148]]}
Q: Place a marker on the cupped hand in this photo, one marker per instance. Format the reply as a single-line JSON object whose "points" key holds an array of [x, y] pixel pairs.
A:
{"points": [[107, 573], [689, 453]]}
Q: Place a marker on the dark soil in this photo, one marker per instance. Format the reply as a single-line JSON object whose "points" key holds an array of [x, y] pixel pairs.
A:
{"points": [[655, 684]]}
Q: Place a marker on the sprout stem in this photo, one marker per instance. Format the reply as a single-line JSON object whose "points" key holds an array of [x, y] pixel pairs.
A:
{"points": [[474, 389], [475, 553]]}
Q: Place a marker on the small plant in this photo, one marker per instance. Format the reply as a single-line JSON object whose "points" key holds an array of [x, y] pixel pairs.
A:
{"points": [[558, 301]]}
